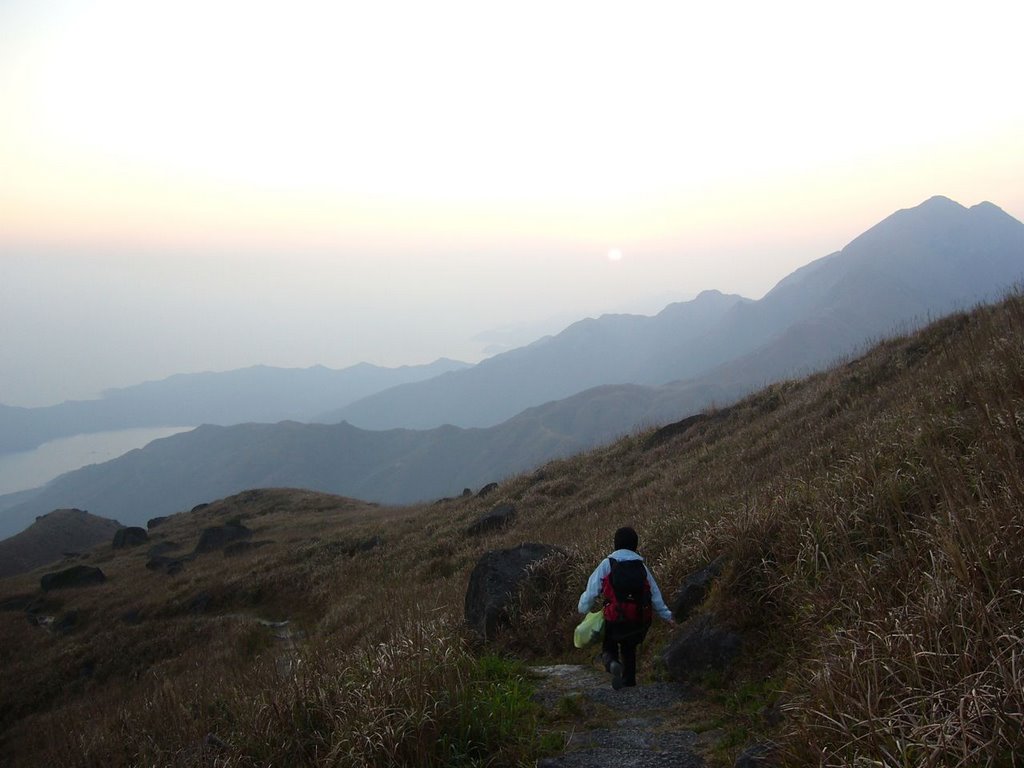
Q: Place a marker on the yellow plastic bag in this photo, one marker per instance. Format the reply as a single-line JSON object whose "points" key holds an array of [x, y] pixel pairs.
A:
{"points": [[589, 630]]}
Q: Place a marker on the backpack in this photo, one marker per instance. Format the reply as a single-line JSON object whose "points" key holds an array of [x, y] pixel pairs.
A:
{"points": [[627, 593]]}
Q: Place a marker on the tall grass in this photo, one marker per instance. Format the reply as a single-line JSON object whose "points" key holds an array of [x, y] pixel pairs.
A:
{"points": [[422, 699], [872, 519]]}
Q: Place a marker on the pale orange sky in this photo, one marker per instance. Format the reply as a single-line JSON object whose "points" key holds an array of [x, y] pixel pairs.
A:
{"points": [[190, 186]]}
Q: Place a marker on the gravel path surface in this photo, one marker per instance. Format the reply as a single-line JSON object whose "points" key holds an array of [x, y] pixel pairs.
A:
{"points": [[620, 729]]}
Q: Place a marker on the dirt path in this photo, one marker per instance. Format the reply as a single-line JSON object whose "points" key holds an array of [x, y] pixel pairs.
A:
{"points": [[651, 725]]}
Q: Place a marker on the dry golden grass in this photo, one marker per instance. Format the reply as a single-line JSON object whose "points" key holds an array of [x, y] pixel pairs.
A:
{"points": [[872, 519]]}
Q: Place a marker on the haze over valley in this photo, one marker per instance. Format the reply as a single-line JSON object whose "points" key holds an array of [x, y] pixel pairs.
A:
{"points": [[426, 432]]}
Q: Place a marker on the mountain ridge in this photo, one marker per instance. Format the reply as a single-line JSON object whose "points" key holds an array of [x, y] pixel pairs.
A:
{"points": [[255, 393], [827, 310], [942, 256]]}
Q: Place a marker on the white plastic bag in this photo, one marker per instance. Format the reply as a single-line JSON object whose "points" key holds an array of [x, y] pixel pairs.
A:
{"points": [[589, 630]]}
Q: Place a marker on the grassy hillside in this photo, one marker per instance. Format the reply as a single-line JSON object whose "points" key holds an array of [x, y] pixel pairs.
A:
{"points": [[871, 517]]}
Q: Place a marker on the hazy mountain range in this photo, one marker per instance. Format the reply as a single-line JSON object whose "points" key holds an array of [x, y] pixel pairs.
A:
{"points": [[587, 385], [259, 393], [915, 264]]}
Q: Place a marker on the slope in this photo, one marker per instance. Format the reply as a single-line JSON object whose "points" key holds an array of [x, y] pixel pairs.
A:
{"points": [[58, 534], [870, 513], [612, 349]]}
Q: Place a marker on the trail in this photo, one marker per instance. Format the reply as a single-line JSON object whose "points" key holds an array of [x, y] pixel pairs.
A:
{"points": [[649, 726]]}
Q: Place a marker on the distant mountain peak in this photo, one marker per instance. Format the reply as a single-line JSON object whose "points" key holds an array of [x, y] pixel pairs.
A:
{"points": [[710, 293], [939, 201]]}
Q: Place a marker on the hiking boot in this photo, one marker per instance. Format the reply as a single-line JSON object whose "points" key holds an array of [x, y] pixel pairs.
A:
{"points": [[616, 669]]}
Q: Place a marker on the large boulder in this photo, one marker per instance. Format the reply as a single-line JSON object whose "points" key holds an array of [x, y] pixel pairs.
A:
{"points": [[499, 517], [494, 582], [75, 576], [219, 536], [699, 646], [129, 537], [487, 490], [156, 522], [695, 588]]}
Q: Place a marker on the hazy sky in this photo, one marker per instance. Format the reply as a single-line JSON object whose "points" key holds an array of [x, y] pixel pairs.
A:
{"points": [[206, 185]]}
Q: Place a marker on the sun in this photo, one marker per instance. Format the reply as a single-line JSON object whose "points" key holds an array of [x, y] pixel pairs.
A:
{"points": [[614, 254]]}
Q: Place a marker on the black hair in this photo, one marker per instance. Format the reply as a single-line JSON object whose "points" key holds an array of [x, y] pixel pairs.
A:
{"points": [[626, 538]]}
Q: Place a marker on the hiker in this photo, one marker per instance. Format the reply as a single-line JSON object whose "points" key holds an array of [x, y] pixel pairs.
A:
{"points": [[623, 584]]}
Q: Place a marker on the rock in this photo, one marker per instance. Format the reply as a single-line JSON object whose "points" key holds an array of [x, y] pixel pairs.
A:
{"points": [[219, 536], [129, 537], [198, 507], [487, 490], [495, 580], [695, 589], [154, 522], [75, 576], [499, 517], [466, 493], [669, 431], [756, 756], [681, 427], [700, 646]]}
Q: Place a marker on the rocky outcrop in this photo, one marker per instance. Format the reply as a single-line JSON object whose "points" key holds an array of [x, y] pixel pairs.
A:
{"points": [[219, 536], [695, 588], [155, 522], [699, 646], [75, 576], [494, 582], [487, 490], [129, 537], [499, 517]]}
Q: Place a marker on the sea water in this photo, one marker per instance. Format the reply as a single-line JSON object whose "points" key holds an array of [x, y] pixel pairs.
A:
{"points": [[30, 469]]}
